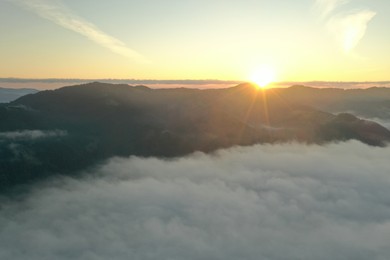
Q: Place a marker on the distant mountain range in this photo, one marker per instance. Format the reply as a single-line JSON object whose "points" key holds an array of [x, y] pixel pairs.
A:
{"points": [[72, 128], [371, 103], [10, 94]]}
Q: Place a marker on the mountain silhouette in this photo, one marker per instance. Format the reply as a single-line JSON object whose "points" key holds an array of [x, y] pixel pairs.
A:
{"points": [[72, 128]]}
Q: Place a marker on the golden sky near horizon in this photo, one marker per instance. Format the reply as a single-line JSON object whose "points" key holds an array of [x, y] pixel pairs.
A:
{"points": [[303, 40]]}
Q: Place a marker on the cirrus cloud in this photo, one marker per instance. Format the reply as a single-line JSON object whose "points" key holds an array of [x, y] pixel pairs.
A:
{"points": [[347, 27], [325, 7], [350, 29], [57, 12]]}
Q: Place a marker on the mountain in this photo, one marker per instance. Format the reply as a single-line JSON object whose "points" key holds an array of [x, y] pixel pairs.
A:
{"points": [[10, 94], [70, 129], [369, 103]]}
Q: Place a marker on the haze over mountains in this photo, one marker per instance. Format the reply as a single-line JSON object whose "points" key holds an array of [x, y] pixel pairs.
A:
{"points": [[158, 149], [69, 129], [10, 94], [103, 171]]}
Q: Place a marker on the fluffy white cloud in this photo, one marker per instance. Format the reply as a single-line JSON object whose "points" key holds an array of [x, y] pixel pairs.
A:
{"points": [[263, 202]]}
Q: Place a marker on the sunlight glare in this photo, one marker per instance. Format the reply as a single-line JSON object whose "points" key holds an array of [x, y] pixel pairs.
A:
{"points": [[263, 76]]}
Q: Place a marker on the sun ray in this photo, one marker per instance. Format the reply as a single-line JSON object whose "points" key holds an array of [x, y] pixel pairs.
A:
{"points": [[263, 76]]}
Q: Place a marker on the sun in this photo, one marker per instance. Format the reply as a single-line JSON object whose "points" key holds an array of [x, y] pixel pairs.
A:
{"points": [[263, 76]]}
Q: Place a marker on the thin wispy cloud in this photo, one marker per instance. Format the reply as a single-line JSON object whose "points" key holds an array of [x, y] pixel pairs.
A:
{"points": [[57, 12], [325, 7], [348, 28]]}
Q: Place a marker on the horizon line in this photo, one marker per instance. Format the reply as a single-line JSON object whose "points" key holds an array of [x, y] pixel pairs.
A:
{"points": [[173, 81]]}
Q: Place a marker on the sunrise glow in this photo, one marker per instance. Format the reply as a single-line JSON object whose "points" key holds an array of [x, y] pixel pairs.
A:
{"points": [[263, 76], [195, 129]]}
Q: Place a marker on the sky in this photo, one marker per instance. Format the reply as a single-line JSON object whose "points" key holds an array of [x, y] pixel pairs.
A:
{"points": [[322, 202], [303, 40]]}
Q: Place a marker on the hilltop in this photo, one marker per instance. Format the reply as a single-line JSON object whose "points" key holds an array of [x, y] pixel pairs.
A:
{"points": [[72, 128]]}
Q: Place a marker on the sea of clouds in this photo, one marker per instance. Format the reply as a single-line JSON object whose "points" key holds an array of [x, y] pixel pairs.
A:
{"points": [[288, 201]]}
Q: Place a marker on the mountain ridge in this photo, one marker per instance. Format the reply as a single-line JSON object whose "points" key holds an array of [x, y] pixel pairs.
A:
{"points": [[101, 120]]}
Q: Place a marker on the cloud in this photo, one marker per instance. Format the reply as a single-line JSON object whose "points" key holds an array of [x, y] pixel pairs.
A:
{"points": [[325, 7], [57, 12], [124, 81], [350, 29], [31, 134], [263, 202], [338, 84]]}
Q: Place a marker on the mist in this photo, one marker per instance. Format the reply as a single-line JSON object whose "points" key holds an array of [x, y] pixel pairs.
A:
{"points": [[31, 134], [287, 201]]}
